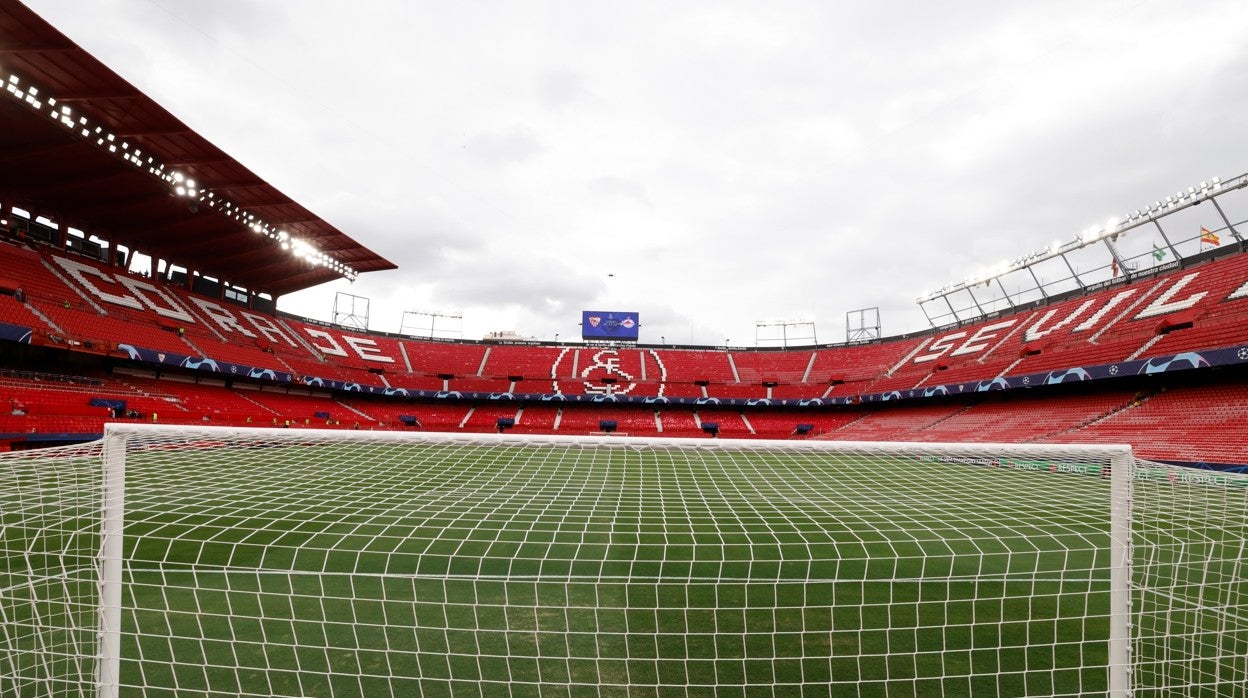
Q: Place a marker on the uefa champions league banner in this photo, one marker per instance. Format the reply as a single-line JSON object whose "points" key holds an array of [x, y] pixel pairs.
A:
{"points": [[200, 363], [348, 387], [1184, 361], [331, 384], [14, 333]]}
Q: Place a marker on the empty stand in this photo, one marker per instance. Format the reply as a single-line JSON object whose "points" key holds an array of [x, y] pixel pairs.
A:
{"points": [[771, 366], [450, 358], [690, 365], [533, 363]]}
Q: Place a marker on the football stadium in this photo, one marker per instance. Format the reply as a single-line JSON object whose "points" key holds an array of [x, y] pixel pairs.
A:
{"points": [[1043, 493]]}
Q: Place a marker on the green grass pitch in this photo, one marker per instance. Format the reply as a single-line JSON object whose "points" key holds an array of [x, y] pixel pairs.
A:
{"points": [[526, 570]]}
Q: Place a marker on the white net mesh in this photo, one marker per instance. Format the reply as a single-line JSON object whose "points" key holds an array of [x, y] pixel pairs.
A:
{"points": [[289, 563]]}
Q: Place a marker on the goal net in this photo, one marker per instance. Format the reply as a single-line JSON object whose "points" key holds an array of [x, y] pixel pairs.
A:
{"points": [[281, 562]]}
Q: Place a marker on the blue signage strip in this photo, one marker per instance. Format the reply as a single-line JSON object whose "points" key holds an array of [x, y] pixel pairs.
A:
{"points": [[202, 363], [14, 333], [1184, 361]]}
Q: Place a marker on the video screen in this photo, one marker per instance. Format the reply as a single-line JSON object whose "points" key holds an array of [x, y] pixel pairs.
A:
{"points": [[598, 324]]}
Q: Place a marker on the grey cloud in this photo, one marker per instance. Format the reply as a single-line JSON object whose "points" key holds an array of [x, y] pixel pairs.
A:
{"points": [[621, 187], [537, 286], [560, 88], [251, 18], [514, 146]]}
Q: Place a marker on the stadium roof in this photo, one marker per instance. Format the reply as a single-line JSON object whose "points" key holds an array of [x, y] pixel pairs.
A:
{"points": [[56, 170]]}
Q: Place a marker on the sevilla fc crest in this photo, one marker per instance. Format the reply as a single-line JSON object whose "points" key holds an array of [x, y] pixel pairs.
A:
{"points": [[608, 371], [594, 321]]}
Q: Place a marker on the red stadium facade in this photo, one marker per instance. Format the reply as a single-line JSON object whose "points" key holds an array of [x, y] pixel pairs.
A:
{"points": [[1153, 359]]}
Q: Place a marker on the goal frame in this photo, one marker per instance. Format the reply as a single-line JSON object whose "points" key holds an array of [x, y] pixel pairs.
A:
{"points": [[117, 437]]}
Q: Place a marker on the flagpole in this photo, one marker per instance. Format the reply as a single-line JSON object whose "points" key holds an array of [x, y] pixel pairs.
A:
{"points": [[1234, 232], [1166, 238]]}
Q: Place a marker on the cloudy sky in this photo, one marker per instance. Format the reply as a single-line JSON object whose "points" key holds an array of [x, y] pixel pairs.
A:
{"points": [[709, 164]]}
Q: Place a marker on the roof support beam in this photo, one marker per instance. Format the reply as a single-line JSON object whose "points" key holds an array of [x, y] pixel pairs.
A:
{"points": [[155, 132], [40, 151], [9, 49], [103, 94]]}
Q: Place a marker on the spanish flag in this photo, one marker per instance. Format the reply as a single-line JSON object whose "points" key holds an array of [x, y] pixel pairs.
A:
{"points": [[1207, 236]]}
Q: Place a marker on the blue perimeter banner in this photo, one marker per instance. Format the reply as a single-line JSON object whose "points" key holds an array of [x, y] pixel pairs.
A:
{"points": [[600, 324], [1184, 361], [15, 333], [203, 363]]}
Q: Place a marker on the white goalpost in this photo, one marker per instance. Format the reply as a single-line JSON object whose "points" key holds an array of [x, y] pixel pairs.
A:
{"points": [[170, 560]]}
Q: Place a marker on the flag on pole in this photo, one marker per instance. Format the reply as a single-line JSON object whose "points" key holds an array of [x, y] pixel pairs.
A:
{"points": [[1207, 236], [1158, 253], [1113, 264]]}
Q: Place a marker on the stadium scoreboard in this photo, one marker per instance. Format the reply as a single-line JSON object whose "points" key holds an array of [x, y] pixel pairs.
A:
{"points": [[599, 324]]}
